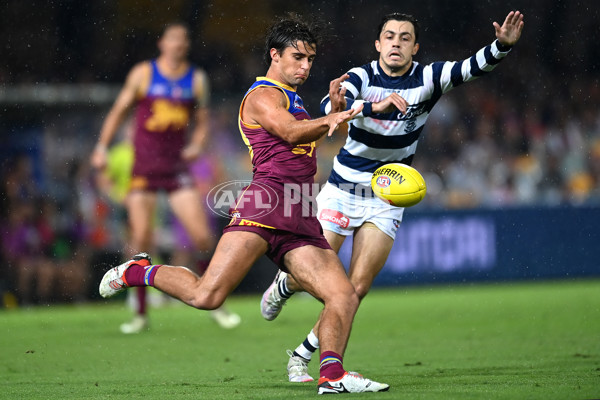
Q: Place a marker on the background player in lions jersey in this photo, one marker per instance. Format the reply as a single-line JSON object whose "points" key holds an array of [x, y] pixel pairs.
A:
{"points": [[280, 136], [397, 94], [169, 94]]}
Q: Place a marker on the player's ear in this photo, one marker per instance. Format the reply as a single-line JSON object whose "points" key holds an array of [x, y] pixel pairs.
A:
{"points": [[378, 46], [415, 49], [274, 55]]}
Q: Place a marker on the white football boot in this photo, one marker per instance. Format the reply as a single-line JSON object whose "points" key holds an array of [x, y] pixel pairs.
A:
{"points": [[138, 324], [113, 281], [272, 303], [350, 383], [297, 368], [225, 318]]}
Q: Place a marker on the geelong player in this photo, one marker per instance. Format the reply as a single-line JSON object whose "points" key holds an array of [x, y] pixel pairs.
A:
{"points": [[396, 95], [281, 138], [169, 93]]}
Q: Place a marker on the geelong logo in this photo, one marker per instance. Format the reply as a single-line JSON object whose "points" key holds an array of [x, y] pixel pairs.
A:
{"points": [[244, 198]]}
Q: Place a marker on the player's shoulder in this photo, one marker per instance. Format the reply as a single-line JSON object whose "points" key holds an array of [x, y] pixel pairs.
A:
{"points": [[267, 95], [362, 74], [365, 69], [141, 67], [139, 74], [198, 72], [141, 70]]}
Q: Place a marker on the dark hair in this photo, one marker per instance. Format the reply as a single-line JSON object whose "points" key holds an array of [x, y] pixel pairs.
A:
{"points": [[288, 31], [399, 17], [174, 24]]}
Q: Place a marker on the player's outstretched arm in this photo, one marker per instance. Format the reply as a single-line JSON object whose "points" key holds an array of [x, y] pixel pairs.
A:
{"points": [[509, 33], [453, 74], [267, 107], [117, 113]]}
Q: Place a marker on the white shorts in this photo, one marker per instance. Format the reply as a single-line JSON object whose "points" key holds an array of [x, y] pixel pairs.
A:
{"points": [[342, 212]]}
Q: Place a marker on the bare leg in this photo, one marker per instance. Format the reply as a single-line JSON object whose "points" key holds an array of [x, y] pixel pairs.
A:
{"points": [[187, 207], [235, 254], [321, 274], [371, 248], [335, 241], [140, 209]]}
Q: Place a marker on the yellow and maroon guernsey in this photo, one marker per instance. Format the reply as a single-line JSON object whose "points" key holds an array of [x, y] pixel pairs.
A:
{"points": [[162, 118], [273, 159], [277, 167]]}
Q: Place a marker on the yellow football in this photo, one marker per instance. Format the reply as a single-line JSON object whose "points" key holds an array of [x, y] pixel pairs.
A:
{"points": [[398, 184]]}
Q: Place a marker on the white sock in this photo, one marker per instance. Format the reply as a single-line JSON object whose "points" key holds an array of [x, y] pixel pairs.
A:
{"points": [[308, 347]]}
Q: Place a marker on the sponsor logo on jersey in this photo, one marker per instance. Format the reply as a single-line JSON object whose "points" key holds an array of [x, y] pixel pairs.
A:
{"points": [[245, 222], [334, 216], [412, 112]]}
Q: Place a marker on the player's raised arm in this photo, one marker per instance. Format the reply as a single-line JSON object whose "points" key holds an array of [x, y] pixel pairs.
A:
{"points": [[201, 117], [117, 113], [509, 33], [449, 75], [267, 107]]}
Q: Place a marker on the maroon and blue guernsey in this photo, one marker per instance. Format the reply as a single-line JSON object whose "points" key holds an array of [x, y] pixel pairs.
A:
{"points": [[162, 118], [283, 174], [273, 159]]}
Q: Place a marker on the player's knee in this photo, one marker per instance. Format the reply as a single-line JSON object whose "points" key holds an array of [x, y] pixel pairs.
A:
{"points": [[352, 302], [207, 300], [204, 243], [361, 290], [346, 299]]}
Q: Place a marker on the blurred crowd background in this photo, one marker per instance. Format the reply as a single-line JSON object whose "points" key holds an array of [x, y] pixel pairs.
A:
{"points": [[528, 135]]}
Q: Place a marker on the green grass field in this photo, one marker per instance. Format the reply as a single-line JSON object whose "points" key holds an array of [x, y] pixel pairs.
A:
{"points": [[497, 341]]}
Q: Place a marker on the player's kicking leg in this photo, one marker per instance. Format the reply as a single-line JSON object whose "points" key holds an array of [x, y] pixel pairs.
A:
{"points": [[236, 252], [114, 281], [186, 204], [320, 273]]}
